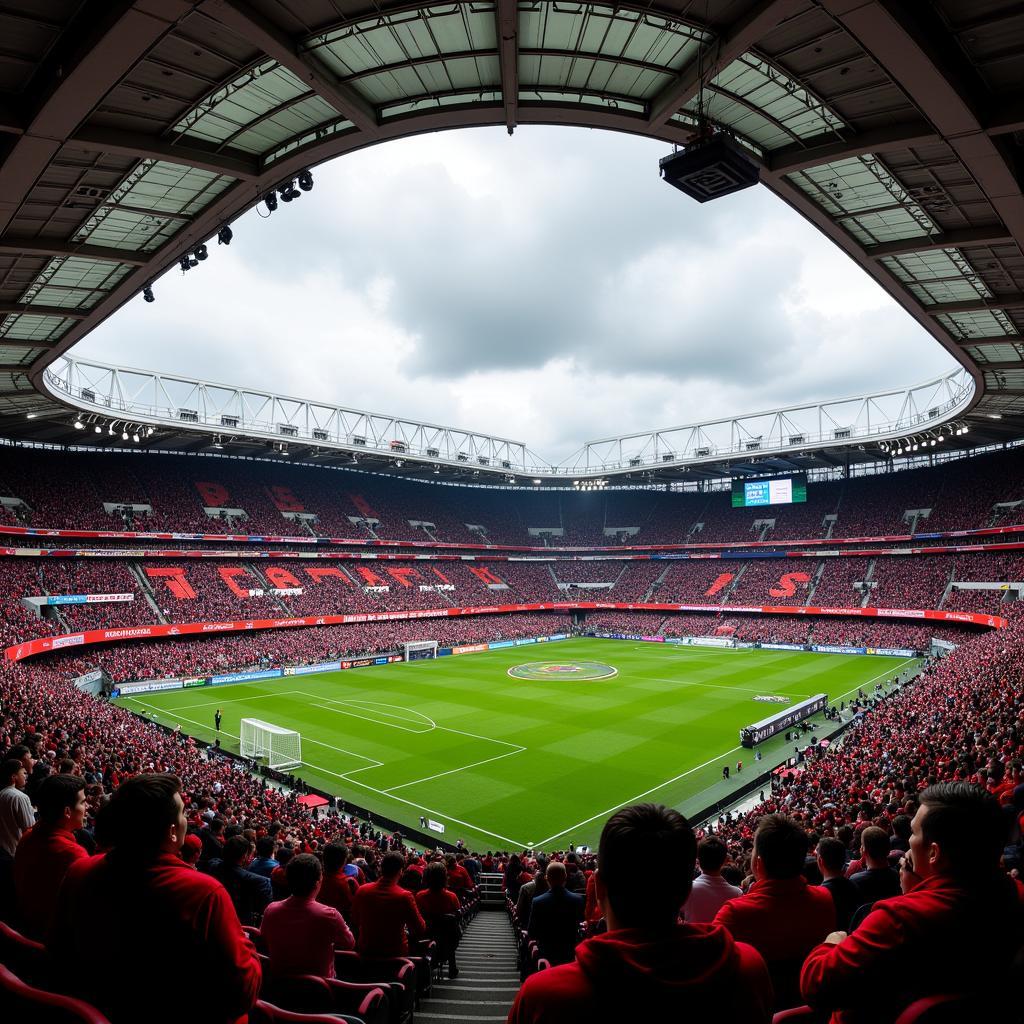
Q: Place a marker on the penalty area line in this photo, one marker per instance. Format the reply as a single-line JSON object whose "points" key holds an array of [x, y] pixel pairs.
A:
{"points": [[452, 771], [639, 796]]}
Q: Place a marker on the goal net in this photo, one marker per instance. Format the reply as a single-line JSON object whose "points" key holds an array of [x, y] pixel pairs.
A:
{"points": [[414, 650], [282, 748]]}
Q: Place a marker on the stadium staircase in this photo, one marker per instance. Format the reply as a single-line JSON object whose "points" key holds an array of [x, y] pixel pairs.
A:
{"points": [[488, 976]]}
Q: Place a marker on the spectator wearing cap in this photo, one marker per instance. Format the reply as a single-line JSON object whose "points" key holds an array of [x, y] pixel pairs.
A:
{"points": [[191, 850], [955, 928], [647, 962], [710, 890], [47, 850], [781, 916], [876, 881], [139, 907], [301, 933], [385, 914]]}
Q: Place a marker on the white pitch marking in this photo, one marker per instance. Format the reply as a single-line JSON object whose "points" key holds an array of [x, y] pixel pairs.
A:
{"points": [[375, 721], [452, 771], [235, 700], [639, 796]]}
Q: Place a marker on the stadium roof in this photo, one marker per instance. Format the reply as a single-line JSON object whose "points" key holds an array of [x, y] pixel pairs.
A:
{"points": [[132, 132]]}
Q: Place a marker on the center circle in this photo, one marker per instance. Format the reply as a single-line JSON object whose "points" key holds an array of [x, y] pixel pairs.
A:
{"points": [[547, 670]]}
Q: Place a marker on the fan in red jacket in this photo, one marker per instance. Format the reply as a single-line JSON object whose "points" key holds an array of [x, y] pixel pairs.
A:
{"points": [[47, 850], [781, 916], [131, 924], [647, 962], [955, 929]]}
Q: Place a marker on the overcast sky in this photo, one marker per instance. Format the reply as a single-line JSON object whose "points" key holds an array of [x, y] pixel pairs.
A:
{"points": [[547, 287]]}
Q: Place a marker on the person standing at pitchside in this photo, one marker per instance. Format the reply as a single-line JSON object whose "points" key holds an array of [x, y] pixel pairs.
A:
{"points": [[217, 716]]}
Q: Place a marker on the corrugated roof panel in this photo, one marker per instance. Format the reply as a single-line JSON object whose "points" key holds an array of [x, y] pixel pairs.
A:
{"points": [[66, 298], [316, 135], [404, 35], [170, 186], [79, 272], [30, 327], [296, 119], [21, 356], [996, 353], [982, 323], [124, 229], [433, 102], [251, 96]]}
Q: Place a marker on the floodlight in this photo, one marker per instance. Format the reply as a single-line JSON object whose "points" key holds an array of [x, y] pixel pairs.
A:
{"points": [[147, 293], [536, 482], [966, 428], [110, 429], [914, 448], [225, 235], [185, 263], [200, 252], [149, 431], [135, 438], [271, 200], [98, 429], [288, 191], [124, 435], [30, 416], [306, 181], [79, 425], [942, 437]]}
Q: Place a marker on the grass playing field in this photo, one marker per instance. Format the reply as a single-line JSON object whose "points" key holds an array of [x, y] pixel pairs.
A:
{"points": [[505, 762]]}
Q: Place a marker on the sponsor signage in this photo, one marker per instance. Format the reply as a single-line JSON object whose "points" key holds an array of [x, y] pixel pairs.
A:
{"points": [[86, 598], [324, 666], [95, 636], [498, 644], [783, 647], [150, 686], [892, 652], [195, 681], [837, 649], [245, 677], [435, 826]]}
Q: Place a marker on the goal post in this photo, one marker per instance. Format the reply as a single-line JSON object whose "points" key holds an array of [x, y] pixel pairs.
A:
{"points": [[281, 748], [415, 650]]}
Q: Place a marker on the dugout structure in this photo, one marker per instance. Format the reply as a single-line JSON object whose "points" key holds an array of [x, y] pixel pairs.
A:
{"points": [[279, 747]]}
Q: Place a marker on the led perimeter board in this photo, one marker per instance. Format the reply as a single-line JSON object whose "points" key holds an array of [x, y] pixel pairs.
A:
{"points": [[783, 490], [767, 727]]}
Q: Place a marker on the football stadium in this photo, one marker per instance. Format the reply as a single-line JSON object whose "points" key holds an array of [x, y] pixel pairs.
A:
{"points": [[310, 713]]}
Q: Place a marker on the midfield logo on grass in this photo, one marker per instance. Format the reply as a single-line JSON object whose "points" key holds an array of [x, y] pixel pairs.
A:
{"points": [[583, 670]]}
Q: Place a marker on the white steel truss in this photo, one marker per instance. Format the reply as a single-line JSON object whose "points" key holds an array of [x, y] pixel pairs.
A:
{"points": [[189, 405]]}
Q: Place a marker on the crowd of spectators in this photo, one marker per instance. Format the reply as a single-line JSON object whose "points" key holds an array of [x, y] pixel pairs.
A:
{"points": [[172, 494]]}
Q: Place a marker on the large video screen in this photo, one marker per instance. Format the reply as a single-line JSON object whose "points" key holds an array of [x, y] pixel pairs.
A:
{"points": [[784, 490]]}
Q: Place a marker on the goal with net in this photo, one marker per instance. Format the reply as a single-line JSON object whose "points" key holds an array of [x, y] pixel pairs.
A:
{"points": [[415, 650], [281, 748]]}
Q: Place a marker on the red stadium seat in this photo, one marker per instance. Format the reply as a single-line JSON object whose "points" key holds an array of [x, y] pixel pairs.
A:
{"points": [[267, 1013], [25, 957], [20, 1002], [944, 1009], [800, 1015]]}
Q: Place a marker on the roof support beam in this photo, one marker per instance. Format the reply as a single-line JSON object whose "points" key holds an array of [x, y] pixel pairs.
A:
{"points": [[13, 367], [731, 42], [1014, 301], [999, 339], [6, 342], [55, 247], [961, 238], [827, 148], [506, 17], [909, 41], [1018, 365], [109, 40], [7, 308], [273, 40], [231, 163]]}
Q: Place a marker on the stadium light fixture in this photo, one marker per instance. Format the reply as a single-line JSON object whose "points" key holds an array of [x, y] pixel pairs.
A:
{"points": [[225, 235], [200, 252], [306, 181], [271, 200], [30, 416], [135, 438], [995, 415], [98, 429], [942, 437], [149, 431], [147, 293], [79, 425], [124, 435], [288, 191]]}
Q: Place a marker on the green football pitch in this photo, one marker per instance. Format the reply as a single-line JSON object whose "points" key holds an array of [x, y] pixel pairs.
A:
{"points": [[505, 762]]}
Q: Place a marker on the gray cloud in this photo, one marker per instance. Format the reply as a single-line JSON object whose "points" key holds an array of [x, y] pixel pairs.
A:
{"points": [[547, 287]]}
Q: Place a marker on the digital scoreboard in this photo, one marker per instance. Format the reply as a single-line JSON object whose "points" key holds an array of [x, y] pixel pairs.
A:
{"points": [[783, 490]]}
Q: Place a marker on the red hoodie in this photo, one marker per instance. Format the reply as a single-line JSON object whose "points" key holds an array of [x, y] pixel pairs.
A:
{"points": [[696, 968]]}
